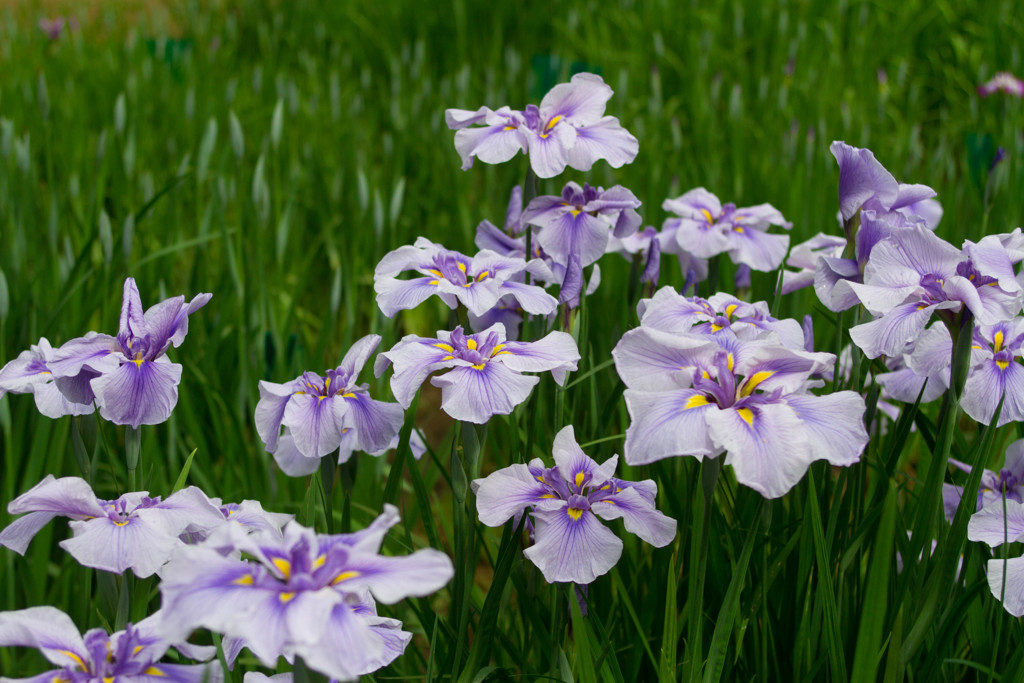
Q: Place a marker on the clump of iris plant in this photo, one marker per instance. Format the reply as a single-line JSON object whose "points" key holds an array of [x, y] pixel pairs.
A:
{"points": [[566, 503], [568, 128], [129, 656], [484, 375], [323, 414], [301, 594]]}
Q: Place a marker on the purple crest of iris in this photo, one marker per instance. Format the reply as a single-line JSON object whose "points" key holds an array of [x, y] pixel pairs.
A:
{"points": [[129, 376], [323, 414], [705, 228], [301, 594], [567, 502], [134, 531], [129, 656], [477, 282], [702, 395], [484, 375], [568, 128], [911, 275], [30, 374], [581, 220]]}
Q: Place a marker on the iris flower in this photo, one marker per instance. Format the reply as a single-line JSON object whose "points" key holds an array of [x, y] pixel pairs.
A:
{"points": [[301, 594], [1008, 482], [133, 531], [476, 282], [30, 374], [327, 413], [128, 656], [702, 395], [568, 128], [566, 500], [484, 377], [997, 523], [705, 228]]}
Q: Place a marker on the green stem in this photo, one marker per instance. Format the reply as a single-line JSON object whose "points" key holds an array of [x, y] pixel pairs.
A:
{"points": [[132, 448], [710, 469]]}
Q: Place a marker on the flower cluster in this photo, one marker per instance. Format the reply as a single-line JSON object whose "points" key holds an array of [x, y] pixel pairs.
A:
{"points": [[565, 502]]}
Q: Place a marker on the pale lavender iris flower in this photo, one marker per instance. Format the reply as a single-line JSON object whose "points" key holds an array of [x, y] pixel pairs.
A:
{"points": [[702, 395], [129, 376], [911, 275], [476, 282], [568, 128], [705, 228], [134, 531], [301, 595], [484, 375], [321, 415], [129, 656], [30, 374], [1003, 81], [567, 502], [581, 220], [1008, 482]]}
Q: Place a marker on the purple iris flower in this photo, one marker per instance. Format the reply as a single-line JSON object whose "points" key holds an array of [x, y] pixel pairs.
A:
{"points": [[301, 594], [326, 414], [1008, 482], [996, 373], [865, 184], [568, 128], [705, 228], [804, 257], [581, 220], [1004, 81], [926, 358], [670, 311], [30, 374], [128, 656], [912, 274], [242, 518], [134, 531], [566, 501], [997, 523], [129, 376], [476, 282], [485, 370], [703, 395]]}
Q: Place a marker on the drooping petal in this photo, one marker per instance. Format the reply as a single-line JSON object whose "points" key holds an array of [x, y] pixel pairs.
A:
{"points": [[394, 295], [376, 423], [391, 579], [604, 139], [363, 648], [667, 423], [46, 629], [638, 515], [770, 453], [758, 249], [67, 496], [1012, 593], [556, 352], [987, 383], [572, 545], [505, 493], [316, 422], [476, 395], [139, 392], [491, 144], [270, 410], [549, 151], [890, 333], [834, 425], [994, 525], [583, 234], [582, 99], [531, 298]]}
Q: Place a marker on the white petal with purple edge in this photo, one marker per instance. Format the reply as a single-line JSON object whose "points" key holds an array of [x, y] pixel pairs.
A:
{"points": [[104, 544], [582, 99], [834, 425], [605, 139], [503, 494], [667, 423], [316, 422], [556, 352], [139, 392], [986, 384], [476, 395], [46, 629], [994, 526], [1012, 593], [638, 515]]}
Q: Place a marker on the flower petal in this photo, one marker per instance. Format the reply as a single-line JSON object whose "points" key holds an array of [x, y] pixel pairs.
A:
{"points": [[572, 546]]}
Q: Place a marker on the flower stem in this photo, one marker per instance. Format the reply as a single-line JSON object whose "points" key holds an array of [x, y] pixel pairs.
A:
{"points": [[132, 448], [710, 469]]}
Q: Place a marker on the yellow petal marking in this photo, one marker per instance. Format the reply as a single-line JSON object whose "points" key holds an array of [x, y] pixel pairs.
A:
{"points": [[715, 328], [78, 660], [751, 382], [479, 366], [552, 123], [610, 502], [137, 650], [580, 476], [461, 266], [696, 401], [575, 212], [998, 341], [540, 479], [730, 361], [243, 580], [285, 597], [435, 282], [319, 561], [747, 414], [138, 362], [471, 344], [344, 576], [509, 128], [738, 229], [548, 495], [121, 523], [448, 357], [730, 309], [108, 679], [283, 566], [574, 514], [348, 395], [482, 275], [707, 215], [327, 384], [436, 272], [153, 671], [444, 347], [1003, 364]]}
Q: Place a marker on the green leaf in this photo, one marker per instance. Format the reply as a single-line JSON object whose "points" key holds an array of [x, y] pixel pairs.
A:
{"points": [[873, 615]]}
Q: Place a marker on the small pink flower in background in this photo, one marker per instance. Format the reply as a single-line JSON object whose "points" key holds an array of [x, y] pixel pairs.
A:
{"points": [[52, 27], [1004, 81]]}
